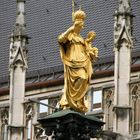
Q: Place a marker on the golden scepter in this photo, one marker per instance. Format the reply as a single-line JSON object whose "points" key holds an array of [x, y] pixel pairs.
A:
{"points": [[73, 4], [73, 8]]}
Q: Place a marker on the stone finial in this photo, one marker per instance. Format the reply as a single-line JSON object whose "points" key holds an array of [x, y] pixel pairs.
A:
{"points": [[124, 6], [123, 24]]}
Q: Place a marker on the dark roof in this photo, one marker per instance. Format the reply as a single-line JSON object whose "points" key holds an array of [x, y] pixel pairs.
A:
{"points": [[70, 115], [46, 19]]}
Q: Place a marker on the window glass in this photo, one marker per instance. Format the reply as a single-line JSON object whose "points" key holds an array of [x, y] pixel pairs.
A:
{"points": [[97, 96], [97, 100], [43, 108]]}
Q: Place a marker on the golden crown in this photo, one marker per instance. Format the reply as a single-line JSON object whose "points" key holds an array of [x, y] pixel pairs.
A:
{"points": [[79, 15]]}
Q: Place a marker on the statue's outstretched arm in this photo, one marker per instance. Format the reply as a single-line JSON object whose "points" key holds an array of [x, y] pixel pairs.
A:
{"points": [[64, 36]]}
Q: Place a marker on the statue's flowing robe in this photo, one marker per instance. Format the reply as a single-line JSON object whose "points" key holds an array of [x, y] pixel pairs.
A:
{"points": [[77, 72]]}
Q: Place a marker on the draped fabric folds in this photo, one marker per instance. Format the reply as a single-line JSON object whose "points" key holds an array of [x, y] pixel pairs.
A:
{"points": [[77, 72]]}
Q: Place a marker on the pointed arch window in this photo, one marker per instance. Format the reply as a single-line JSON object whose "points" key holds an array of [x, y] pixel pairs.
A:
{"points": [[108, 103], [136, 107], [29, 116], [4, 125]]}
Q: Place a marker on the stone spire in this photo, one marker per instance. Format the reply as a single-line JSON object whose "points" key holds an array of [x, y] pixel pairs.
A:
{"points": [[123, 23], [17, 68], [122, 47], [19, 39]]}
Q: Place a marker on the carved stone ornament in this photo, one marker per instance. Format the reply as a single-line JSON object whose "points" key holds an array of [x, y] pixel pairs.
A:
{"points": [[108, 96], [71, 125], [135, 91], [124, 6], [123, 35], [4, 116], [39, 133], [29, 111], [17, 56]]}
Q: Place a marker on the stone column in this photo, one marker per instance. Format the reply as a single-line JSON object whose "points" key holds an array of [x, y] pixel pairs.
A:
{"points": [[122, 47], [17, 68]]}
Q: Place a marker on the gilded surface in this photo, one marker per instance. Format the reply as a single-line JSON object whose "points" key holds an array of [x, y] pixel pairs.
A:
{"points": [[77, 55]]}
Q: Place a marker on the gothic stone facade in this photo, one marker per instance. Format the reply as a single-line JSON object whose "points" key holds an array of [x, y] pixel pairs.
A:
{"points": [[102, 87]]}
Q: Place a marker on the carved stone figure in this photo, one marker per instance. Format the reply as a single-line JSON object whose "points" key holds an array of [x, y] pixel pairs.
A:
{"points": [[77, 55]]}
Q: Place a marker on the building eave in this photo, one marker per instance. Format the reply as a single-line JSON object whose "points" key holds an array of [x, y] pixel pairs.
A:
{"points": [[60, 81]]}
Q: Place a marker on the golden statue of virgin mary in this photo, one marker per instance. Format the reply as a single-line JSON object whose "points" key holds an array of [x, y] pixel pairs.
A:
{"points": [[77, 55]]}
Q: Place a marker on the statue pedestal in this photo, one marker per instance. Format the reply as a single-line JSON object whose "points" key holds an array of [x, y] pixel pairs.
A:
{"points": [[71, 125]]}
